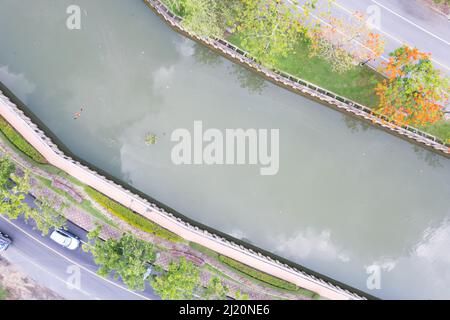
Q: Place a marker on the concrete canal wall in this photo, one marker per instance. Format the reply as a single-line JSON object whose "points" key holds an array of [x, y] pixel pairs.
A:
{"points": [[303, 87], [39, 140]]}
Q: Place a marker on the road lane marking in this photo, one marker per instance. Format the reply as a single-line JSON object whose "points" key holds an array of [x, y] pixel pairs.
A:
{"points": [[382, 57], [350, 13], [71, 261], [402, 42], [339, 31], [412, 23], [28, 260]]}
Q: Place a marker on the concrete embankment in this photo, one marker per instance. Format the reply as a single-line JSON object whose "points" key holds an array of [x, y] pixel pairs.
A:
{"points": [[303, 87], [39, 140]]}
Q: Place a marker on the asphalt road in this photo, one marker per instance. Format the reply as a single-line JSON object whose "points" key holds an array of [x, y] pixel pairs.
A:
{"points": [[403, 22], [71, 274]]}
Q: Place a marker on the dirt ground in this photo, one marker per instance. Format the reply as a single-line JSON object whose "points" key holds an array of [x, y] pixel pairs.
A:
{"points": [[20, 287], [443, 8]]}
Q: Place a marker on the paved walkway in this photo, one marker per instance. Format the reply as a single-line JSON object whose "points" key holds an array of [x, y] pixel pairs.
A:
{"points": [[172, 250], [143, 207]]}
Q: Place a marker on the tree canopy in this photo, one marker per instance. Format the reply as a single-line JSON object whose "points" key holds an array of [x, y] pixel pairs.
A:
{"points": [[179, 282], [414, 92], [215, 290], [268, 29], [127, 258]]}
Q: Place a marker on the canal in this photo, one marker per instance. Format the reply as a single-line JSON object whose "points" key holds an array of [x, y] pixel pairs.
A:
{"points": [[347, 197]]}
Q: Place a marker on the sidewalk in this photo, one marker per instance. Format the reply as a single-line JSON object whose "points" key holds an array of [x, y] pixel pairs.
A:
{"points": [[170, 251]]}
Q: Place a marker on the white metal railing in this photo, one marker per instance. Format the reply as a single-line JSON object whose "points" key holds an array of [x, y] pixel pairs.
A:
{"points": [[283, 77]]}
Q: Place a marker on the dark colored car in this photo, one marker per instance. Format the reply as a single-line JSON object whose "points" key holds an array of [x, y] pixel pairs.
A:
{"points": [[5, 242]]}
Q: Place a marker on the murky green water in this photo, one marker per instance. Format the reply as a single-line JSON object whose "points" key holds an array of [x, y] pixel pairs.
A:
{"points": [[346, 196]]}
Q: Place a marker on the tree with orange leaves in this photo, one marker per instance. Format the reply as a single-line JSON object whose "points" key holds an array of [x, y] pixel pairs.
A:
{"points": [[414, 92]]}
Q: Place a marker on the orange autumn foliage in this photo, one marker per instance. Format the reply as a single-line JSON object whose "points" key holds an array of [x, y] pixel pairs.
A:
{"points": [[414, 93]]}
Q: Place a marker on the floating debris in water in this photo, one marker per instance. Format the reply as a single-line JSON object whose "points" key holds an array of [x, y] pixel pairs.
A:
{"points": [[150, 139]]}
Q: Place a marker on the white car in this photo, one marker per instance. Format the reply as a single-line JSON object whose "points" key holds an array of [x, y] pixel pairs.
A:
{"points": [[65, 239]]}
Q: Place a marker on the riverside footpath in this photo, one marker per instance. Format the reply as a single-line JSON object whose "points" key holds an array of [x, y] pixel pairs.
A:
{"points": [[54, 156], [39, 140]]}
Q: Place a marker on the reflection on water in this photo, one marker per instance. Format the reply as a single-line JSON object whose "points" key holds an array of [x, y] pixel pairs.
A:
{"points": [[354, 125], [205, 56], [17, 83], [431, 158], [342, 200], [249, 80]]}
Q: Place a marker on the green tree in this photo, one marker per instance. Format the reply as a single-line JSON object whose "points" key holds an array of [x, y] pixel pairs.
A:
{"points": [[47, 215], [208, 18], [12, 205], [21, 182], [13, 194], [179, 282], [176, 6], [215, 290], [126, 258], [6, 169], [270, 29], [241, 296]]}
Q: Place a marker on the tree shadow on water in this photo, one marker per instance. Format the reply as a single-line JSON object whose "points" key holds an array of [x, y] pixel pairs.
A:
{"points": [[205, 56], [249, 80], [246, 78], [355, 125], [430, 158]]}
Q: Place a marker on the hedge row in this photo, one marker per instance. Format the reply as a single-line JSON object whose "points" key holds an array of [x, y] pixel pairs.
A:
{"points": [[267, 278], [16, 139], [131, 217]]}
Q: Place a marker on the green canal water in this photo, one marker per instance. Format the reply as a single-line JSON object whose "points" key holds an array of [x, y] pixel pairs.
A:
{"points": [[346, 196]]}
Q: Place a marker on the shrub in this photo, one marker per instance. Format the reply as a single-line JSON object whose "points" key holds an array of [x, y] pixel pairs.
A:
{"points": [[267, 278], [132, 218], [16, 139]]}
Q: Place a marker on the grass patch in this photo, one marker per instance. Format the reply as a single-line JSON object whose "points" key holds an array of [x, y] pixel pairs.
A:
{"points": [[219, 273], [225, 276], [213, 254], [440, 130], [204, 250], [86, 205], [266, 278], [3, 293], [130, 217], [357, 84], [17, 140], [171, 4]]}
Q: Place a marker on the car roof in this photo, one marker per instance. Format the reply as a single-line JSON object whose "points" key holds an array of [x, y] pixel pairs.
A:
{"points": [[60, 237]]}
